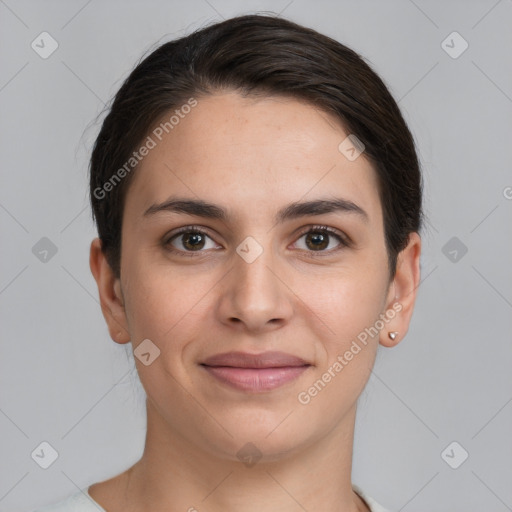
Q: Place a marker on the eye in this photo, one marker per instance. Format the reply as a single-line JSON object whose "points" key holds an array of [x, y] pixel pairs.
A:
{"points": [[319, 238], [189, 239]]}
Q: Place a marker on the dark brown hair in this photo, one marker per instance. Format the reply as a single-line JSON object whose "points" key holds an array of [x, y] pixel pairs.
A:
{"points": [[266, 55]]}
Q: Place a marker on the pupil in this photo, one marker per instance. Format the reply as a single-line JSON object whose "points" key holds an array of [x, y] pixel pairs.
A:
{"points": [[193, 240], [318, 240]]}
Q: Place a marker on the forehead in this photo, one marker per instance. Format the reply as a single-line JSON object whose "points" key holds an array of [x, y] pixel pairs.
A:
{"points": [[251, 154]]}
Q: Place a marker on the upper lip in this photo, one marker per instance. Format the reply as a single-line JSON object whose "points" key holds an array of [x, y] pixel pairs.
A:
{"points": [[263, 360]]}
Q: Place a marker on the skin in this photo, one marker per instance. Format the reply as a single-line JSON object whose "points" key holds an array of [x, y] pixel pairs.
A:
{"points": [[250, 156]]}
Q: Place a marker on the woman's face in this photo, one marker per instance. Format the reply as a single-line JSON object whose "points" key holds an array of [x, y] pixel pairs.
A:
{"points": [[254, 281]]}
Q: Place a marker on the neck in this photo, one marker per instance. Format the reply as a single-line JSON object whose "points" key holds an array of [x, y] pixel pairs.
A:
{"points": [[174, 474]]}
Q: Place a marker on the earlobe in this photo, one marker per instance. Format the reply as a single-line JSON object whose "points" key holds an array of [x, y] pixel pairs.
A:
{"points": [[110, 293], [402, 295]]}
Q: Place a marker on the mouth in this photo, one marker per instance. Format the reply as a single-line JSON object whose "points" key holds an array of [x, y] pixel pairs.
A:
{"points": [[255, 372]]}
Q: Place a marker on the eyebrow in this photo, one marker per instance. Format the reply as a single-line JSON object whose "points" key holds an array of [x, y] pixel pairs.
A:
{"points": [[295, 210]]}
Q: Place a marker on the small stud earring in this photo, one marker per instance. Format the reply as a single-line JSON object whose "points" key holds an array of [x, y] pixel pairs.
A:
{"points": [[392, 335]]}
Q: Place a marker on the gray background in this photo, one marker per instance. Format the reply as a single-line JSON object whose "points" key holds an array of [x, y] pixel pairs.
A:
{"points": [[63, 381]]}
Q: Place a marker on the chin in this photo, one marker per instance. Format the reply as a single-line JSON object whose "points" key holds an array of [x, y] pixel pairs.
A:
{"points": [[262, 435]]}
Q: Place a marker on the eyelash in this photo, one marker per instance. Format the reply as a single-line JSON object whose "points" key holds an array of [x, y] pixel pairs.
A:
{"points": [[343, 241]]}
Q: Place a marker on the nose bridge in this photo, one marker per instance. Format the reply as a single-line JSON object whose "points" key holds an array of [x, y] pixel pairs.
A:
{"points": [[255, 295], [254, 273]]}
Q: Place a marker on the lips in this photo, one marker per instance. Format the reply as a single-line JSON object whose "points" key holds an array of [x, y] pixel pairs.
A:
{"points": [[246, 360], [255, 372]]}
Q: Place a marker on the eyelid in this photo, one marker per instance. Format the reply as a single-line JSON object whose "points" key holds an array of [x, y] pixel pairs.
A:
{"points": [[328, 229], [194, 228]]}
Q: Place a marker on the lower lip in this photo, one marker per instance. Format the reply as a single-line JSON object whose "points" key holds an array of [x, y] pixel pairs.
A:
{"points": [[255, 379]]}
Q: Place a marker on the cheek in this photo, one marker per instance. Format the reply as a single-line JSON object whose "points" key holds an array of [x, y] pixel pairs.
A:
{"points": [[169, 311], [346, 302], [164, 303], [350, 308]]}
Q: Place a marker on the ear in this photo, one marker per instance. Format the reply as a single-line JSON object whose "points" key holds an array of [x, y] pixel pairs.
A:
{"points": [[402, 292], [111, 296]]}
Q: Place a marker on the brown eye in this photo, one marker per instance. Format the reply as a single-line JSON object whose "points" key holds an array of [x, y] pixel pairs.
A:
{"points": [[193, 241], [189, 240], [316, 241], [319, 239]]}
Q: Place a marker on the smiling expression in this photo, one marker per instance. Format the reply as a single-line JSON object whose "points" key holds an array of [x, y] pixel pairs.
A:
{"points": [[247, 230]]}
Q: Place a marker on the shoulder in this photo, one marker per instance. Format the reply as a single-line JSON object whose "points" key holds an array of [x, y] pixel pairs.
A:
{"points": [[372, 504], [78, 502]]}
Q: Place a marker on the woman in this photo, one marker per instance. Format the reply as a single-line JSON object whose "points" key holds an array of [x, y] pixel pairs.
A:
{"points": [[257, 195]]}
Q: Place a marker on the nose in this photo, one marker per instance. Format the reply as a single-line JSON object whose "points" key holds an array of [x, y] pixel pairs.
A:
{"points": [[254, 295]]}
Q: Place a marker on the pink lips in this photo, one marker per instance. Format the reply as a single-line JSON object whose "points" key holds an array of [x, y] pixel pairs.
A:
{"points": [[255, 372]]}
